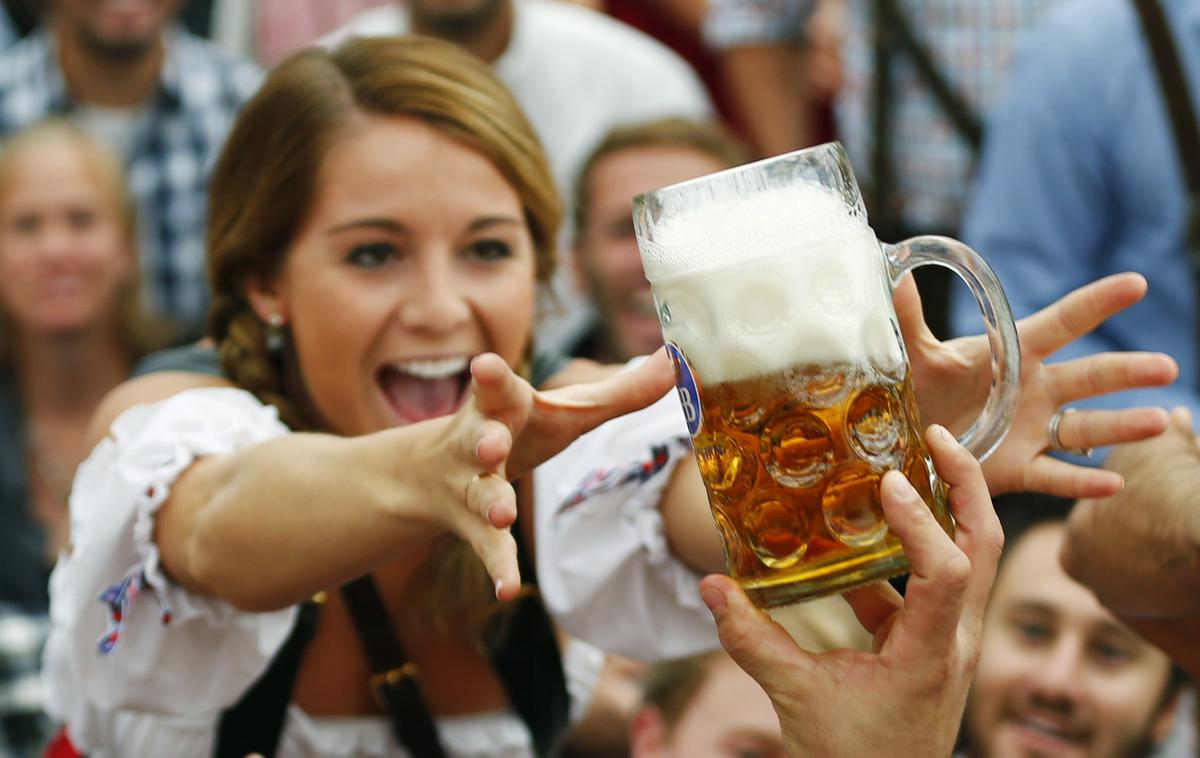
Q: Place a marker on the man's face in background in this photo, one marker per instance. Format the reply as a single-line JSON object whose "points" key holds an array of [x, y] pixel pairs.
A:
{"points": [[117, 28], [606, 249], [1058, 674], [456, 17]]}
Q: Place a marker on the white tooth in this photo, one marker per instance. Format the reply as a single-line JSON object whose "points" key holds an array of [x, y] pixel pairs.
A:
{"points": [[1042, 725], [436, 368]]}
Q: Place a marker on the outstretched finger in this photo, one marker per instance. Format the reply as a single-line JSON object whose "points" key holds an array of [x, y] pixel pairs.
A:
{"points": [[1082, 429], [978, 530], [1109, 372], [936, 587], [498, 392], [493, 498], [1079, 312], [498, 551], [757, 643], [1063, 479], [618, 394], [492, 445]]}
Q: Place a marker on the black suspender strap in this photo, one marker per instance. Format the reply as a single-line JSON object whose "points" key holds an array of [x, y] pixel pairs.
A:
{"points": [[522, 644], [894, 36], [394, 682], [1181, 111], [965, 121], [881, 200], [519, 638], [255, 723]]}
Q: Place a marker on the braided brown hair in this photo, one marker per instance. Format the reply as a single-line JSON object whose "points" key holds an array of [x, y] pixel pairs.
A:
{"points": [[266, 179]]}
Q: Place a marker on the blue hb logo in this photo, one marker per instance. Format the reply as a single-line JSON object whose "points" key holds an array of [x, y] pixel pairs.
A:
{"points": [[685, 384]]}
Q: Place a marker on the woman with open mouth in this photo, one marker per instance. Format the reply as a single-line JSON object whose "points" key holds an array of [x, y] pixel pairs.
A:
{"points": [[314, 552]]}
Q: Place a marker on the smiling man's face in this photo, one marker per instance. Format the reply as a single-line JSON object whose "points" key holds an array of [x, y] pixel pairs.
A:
{"points": [[1058, 674]]}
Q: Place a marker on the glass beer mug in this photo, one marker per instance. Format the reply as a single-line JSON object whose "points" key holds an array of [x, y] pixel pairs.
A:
{"points": [[775, 303]]}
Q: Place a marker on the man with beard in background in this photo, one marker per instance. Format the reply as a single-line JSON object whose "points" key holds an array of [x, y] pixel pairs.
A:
{"points": [[163, 98], [1058, 673]]}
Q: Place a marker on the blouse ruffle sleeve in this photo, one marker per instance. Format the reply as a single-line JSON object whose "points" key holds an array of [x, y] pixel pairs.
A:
{"points": [[123, 635], [604, 566]]}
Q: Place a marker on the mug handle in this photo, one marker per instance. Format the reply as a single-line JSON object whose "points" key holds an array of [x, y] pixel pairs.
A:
{"points": [[989, 429]]}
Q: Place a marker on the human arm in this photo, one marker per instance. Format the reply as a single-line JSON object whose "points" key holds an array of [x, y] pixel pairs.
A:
{"points": [[1139, 550], [758, 50], [266, 524], [906, 698], [1021, 462]]}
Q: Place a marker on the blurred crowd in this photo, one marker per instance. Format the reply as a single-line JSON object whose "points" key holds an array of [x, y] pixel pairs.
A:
{"points": [[252, 253]]}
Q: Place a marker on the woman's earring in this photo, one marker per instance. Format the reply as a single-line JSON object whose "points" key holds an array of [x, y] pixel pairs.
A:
{"points": [[275, 334]]}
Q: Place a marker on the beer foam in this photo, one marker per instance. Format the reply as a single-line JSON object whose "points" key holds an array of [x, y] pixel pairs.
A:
{"points": [[717, 227], [820, 300]]}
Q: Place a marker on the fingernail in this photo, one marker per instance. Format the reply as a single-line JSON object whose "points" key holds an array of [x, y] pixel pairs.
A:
{"points": [[490, 509], [900, 489], [479, 450], [499, 586], [945, 434], [713, 599]]}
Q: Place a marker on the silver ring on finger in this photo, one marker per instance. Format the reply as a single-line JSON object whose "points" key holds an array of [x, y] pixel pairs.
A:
{"points": [[1052, 431]]}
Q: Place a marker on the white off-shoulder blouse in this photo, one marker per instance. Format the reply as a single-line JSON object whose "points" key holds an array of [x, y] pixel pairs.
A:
{"points": [[136, 665]]}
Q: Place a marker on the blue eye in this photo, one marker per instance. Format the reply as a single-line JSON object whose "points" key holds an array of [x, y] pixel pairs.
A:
{"points": [[490, 250], [371, 255]]}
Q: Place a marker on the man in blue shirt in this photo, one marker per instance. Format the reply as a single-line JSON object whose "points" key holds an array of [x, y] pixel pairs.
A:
{"points": [[1081, 177]]}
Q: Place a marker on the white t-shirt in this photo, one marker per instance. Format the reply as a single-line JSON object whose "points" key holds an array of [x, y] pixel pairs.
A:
{"points": [[577, 74]]}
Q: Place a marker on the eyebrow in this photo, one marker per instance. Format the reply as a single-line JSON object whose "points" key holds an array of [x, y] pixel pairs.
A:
{"points": [[489, 221], [382, 224], [395, 227], [1104, 626], [1033, 606]]}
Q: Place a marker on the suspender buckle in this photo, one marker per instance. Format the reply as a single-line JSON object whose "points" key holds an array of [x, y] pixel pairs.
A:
{"points": [[385, 681]]}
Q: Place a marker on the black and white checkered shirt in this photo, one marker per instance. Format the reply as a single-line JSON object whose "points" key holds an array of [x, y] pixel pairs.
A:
{"points": [[200, 91]]}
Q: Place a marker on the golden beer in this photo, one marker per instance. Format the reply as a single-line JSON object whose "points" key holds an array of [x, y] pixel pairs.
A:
{"points": [[775, 299], [792, 464]]}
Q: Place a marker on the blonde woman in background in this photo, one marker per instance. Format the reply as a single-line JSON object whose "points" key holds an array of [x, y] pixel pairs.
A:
{"points": [[71, 327]]}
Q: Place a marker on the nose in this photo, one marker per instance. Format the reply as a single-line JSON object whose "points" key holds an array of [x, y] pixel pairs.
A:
{"points": [[1059, 675], [436, 300], [54, 241]]}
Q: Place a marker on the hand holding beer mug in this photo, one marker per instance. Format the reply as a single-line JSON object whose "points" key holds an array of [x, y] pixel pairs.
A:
{"points": [[775, 303]]}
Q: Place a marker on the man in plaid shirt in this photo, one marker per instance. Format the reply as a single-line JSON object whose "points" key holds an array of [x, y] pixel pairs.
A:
{"points": [[971, 42], [164, 98]]}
